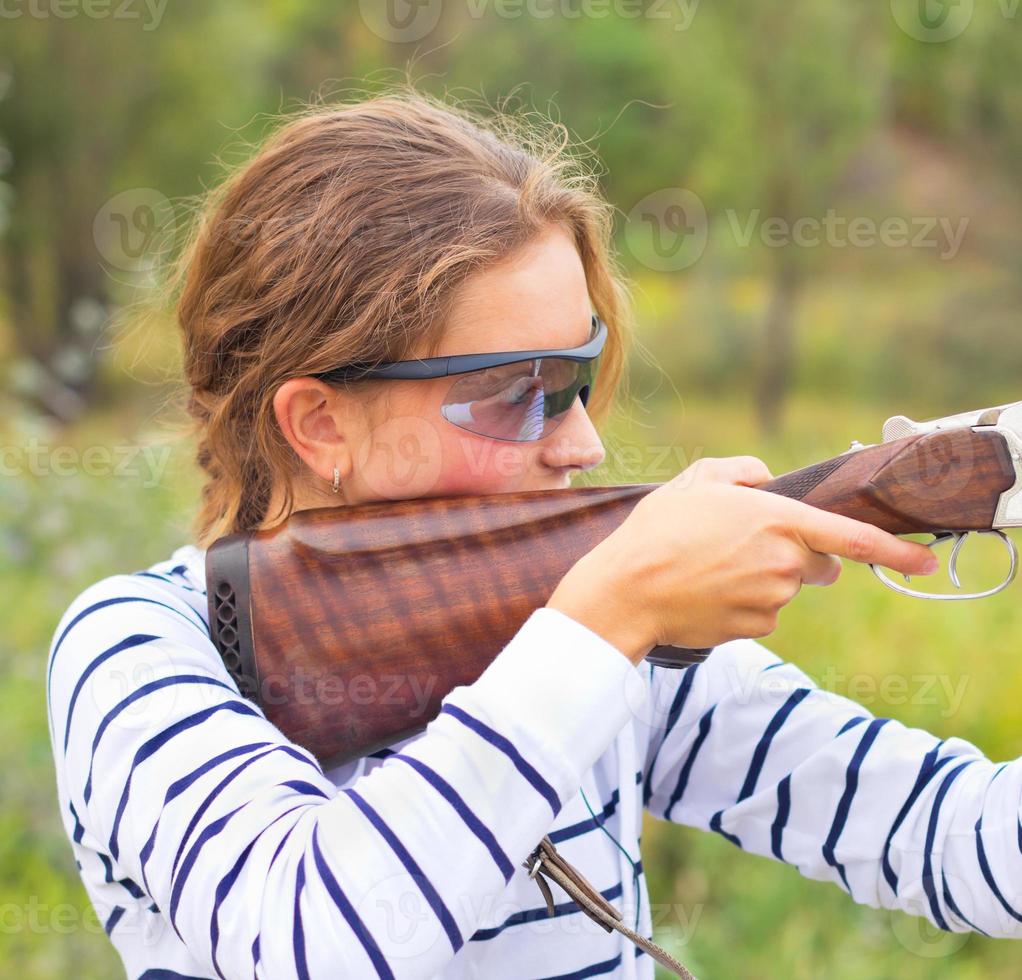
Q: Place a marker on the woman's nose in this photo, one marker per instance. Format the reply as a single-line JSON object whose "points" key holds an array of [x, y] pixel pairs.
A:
{"points": [[574, 443]]}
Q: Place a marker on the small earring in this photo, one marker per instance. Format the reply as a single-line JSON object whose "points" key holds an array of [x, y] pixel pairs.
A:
{"points": [[337, 480]]}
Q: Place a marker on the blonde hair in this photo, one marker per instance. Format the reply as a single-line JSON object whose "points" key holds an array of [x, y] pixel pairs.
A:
{"points": [[343, 239]]}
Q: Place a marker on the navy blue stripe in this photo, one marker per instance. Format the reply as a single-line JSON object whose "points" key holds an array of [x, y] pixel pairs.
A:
{"points": [[165, 975], [157, 742], [596, 970], [686, 769], [131, 888], [96, 606], [931, 834], [953, 906], [298, 931], [763, 746], [255, 945], [79, 830], [585, 826], [500, 742], [301, 785], [449, 793], [170, 581], [845, 803], [222, 889], [783, 811], [537, 914], [349, 913], [108, 876], [115, 917], [132, 641], [717, 827], [226, 883], [179, 786], [988, 875], [596, 821], [280, 847], [677, 704], [218, 789], [137, 695], [422, 882], [931, 765], [851, 723], [209, 832]]}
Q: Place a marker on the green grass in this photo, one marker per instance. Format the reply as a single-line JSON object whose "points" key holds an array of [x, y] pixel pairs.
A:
{"points": [[747, 916]]}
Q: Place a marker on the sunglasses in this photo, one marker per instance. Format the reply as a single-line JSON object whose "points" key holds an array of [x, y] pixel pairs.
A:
{"points": [[516, 396]]}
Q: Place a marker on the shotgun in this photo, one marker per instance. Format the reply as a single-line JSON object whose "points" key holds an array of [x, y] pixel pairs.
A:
{"points": [[349, 625]]}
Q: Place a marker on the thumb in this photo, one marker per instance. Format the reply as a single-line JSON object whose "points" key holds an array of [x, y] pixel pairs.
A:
{"points": [[746, 471]]}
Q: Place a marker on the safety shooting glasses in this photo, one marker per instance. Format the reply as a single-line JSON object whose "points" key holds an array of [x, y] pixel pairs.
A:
{"points": [[516, 396]]}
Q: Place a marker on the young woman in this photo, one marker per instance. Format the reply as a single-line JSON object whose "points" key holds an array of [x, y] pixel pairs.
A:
{"points": [[399, 228]]}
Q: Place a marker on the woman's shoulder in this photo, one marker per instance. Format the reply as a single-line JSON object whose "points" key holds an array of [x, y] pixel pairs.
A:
{"points": [[177, 576], [164, 601]]}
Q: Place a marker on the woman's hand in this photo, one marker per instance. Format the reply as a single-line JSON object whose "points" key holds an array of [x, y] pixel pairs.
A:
{"points": [[707, 558]]}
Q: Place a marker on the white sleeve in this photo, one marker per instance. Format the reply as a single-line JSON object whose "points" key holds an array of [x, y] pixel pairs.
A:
{"points": [[748, 746], [253, 855]]}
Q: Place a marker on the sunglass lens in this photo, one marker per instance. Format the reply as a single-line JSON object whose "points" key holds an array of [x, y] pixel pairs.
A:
{"points": [[518, 402]]}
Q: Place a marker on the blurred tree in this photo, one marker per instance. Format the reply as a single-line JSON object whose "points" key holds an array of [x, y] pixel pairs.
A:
{"points": [[795, 91], [110, 125]]}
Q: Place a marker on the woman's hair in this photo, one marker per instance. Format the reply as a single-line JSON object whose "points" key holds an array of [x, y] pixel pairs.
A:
{"points": [[344, 239]]}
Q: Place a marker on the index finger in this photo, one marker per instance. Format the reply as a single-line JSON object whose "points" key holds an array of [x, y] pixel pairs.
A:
{"points": [[861, 541]]}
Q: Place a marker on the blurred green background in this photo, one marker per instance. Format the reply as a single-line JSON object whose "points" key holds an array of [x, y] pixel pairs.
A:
{"points": [[818, 205]]}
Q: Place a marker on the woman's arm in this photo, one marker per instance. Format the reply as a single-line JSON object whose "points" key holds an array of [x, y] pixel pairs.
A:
{"points": [[748, 746], [251, 853]]}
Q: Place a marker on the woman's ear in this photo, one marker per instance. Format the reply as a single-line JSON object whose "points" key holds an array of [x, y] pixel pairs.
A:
{"points": [[322, 425]]}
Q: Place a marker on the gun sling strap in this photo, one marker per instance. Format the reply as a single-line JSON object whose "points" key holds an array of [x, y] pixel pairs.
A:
{"points": [[546, 860]]}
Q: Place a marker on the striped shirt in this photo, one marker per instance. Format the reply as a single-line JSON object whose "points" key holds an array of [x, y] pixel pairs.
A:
{"points": [[211, 845]]}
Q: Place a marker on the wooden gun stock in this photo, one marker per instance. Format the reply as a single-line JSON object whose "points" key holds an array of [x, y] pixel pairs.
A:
{"points": [[350, 625]]}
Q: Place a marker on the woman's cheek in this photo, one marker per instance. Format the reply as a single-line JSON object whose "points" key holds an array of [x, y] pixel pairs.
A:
{"points": [[473, 464], [409, 457]]}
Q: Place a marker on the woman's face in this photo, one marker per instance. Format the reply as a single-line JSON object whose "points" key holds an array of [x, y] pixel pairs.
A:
{"points": [[401, 447]]}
